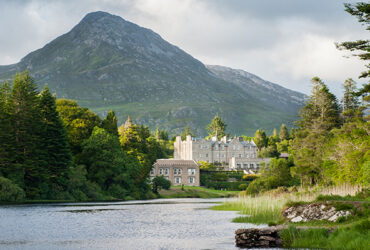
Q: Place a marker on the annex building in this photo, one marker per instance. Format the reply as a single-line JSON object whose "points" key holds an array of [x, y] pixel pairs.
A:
{"points": [[179, 172], [231, 153]]}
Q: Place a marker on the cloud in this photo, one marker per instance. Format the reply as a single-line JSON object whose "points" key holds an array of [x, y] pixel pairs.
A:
{"points": [[284, 41]]}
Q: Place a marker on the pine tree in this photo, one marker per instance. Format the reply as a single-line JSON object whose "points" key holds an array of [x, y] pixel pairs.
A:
{"points": [[186, 132], [217, 126], [27, 125], [361, 10], [7, 141], [350, 103], [54, 137], [283, 134], [110, 123]]}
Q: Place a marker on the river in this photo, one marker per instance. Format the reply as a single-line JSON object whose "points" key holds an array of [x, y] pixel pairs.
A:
{"points": [[153, 224]]}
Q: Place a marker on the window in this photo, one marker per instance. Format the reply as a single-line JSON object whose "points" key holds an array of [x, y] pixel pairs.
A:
{"points": [[222, 147], [217, 155], [252, 165], [178, 180], [200, 155], [216, 147], [152, 171], [175, 171], [234, 147], [238, 147], [191, 171], [200, 146], [179, 171], [166, 171], [232, 155], [166, 177], [206, 155], [161, 171], [245, 165], [223, 155], [191, 180], [246, 155], [258, 165], [239, 165], [240, 155]]}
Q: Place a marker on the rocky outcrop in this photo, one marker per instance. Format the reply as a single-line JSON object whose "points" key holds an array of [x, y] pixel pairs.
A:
{"points": [[258, 237], [314, 211]]}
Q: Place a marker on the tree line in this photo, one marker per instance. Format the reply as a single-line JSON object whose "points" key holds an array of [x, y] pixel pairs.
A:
{"points": [[56, 150]]}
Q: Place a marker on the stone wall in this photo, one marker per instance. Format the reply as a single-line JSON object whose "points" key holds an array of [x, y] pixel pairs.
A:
{"points": [[259, 237]]}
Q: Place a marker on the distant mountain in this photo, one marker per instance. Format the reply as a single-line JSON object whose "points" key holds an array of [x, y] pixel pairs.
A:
{"points": [[106, 63]]}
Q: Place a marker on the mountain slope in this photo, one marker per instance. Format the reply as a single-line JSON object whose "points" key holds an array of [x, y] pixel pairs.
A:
{"points": [[105, 63]]}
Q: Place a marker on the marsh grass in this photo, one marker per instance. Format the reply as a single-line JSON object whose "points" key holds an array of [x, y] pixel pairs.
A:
{"points": [[266, 208]]}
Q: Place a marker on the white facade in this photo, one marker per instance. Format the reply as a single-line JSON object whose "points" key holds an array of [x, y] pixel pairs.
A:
{"points": [[233, 153]]}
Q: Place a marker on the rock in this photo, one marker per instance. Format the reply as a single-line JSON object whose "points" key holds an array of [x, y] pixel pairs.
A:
{"points": [[297, 219], [268, 238], [258, 237]]}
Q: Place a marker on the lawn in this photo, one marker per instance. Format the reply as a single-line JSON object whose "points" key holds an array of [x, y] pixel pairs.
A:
{"points": [[195, 192]]}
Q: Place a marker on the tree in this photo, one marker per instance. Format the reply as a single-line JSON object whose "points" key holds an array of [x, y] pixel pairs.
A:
{"points": [[78, 121], [321, 112], [217, 126], [57, 154], [186, 132], [7, 139], [361, 10], [350, 103], [106, 164], [283, 133], [318, 117], [110, 123], [260, 139], [160, 182], [27, 126]]}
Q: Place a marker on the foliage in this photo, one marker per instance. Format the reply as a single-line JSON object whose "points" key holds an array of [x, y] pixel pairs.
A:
{"points": [[275, 174], [186, 133], [217, 127], [361, 11], [10, 192], [260, 139], [160, 182], [110, 123]]}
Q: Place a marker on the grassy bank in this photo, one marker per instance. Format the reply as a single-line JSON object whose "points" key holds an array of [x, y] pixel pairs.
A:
{"points": [[266, 208], [195, 192], [350, 233]]}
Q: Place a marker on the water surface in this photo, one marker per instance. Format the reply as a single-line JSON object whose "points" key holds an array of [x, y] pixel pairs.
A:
{"points": [[154, 224]]}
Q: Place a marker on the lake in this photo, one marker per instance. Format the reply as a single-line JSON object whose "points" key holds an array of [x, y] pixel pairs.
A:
{"points": [[153, 224]]}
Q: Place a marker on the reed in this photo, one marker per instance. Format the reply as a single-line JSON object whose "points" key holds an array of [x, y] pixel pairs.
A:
{"points": [[266, 208]]}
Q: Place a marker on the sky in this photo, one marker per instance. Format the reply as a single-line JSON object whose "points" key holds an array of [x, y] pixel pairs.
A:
{"points": [[283, 41]]}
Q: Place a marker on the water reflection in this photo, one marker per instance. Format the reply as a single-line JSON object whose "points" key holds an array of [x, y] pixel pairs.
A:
{"points": [[155, 224]]}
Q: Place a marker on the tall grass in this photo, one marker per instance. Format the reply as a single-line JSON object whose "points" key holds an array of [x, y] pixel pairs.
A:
{"points": [[266, 208]]}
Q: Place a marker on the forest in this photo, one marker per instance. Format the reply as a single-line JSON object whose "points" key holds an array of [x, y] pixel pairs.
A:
{"points": [[56, 150]]}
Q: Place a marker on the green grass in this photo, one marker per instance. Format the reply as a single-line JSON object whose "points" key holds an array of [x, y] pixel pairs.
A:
{"points": [[356, 236], [195, 192], [260, 210]]}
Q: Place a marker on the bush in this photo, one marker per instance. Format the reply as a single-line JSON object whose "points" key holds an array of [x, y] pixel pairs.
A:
{"points": [[10, 192], [160, 182], [242, 186]]}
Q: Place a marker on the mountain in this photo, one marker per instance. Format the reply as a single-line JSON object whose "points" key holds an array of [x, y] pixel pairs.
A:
{"points": [[106, 62]]}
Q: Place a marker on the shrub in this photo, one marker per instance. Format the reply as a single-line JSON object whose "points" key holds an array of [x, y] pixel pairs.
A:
{"points": [[160, 182], [242, 186], [10, 192]]}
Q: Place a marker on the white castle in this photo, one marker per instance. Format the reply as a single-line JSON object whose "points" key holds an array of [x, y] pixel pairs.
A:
{"points": [[232, 154]]}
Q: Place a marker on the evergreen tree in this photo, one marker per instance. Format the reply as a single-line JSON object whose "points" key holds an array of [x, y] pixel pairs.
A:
{"points": [[321, 112], [319, 116], [361, 10], [54, 137], [350, 103], [110, 123], [186, 132], [274, 133], [7, 140], [260, 139], [283, 134], [27, 126], [217, 126]]}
